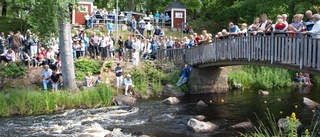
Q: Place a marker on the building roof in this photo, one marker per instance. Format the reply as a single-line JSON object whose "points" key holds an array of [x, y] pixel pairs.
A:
{"points": [[175, 5]]}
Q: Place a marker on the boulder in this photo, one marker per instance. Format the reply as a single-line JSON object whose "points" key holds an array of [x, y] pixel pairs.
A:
{"points": [[200, 126], [247, 124], [261, 92], [310, 103], [123, 100], [201, 104], [171, 101], [171, 92], [282, 123], [200, 117]]}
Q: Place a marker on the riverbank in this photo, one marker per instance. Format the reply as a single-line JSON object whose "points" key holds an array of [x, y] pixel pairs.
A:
{"points": [[18, 102]]}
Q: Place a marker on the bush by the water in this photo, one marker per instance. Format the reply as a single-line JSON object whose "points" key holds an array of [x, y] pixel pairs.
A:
{"points": [[12, 70], [83, 65], [174, 77], [260, 77], [16, 102]]}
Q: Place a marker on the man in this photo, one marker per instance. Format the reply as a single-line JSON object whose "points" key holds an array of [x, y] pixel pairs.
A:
{"points": [[119, 78], [55, 80], [157, 32], [184, 76], [309, 22], [142, 26], [94, 44], [87, 20], [233, 29], [157, 16], [17, 43], [128, 46], [128, 86], [4, 8], [167, 18], [315, 31], [10, 37], [46, 77], [110, 27]]}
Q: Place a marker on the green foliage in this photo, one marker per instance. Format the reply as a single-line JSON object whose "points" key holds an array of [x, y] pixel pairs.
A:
{"points": [[148, 77], [109, 64], [12, 70], [174, 77], [39, 102], [261, 77], [83, 65]]}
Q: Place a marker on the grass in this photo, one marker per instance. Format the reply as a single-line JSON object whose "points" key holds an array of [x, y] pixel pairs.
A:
{"points": [[261, 77], [16, 102]]}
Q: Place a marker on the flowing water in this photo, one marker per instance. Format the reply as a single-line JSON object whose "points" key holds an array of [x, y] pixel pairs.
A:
{"points": [[152, 117]]}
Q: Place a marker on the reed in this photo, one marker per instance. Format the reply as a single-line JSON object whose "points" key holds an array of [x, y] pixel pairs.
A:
{"points": [[16, 102], [261, 77]]}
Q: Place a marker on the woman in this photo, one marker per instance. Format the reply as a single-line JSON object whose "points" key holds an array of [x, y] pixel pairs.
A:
{"points": [[177, 44], [297, 25], [103, 47], [8, 57], [256, 23]]}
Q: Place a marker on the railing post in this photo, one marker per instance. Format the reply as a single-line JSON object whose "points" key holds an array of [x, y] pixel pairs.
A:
{"points": [[249, 47], [272, 47]]}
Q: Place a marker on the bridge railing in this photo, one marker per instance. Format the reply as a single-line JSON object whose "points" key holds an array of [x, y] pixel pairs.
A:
{"points": [[276, 48]]}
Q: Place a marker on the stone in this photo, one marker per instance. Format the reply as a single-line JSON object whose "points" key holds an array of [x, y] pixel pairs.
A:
{"points": [[247, 124], [123, 100], [282, 123], [201, 104], [200, 117], [200, 126], [171, 92], [310, 103], [208, 80], [261, 92], [171, 101]]}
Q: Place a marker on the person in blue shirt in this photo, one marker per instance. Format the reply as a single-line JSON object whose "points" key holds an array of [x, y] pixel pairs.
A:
{"points": [[110, 27], [185, 74], [157, 16], [128, 85], [233, 28]]}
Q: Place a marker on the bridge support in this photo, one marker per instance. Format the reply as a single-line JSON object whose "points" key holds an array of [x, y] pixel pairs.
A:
{"points": [[208, 80]]}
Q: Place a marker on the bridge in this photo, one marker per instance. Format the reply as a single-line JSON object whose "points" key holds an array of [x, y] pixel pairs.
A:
{"points": [[274, 50]]}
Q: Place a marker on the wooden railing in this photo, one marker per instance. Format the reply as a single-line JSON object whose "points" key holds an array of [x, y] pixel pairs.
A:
{"points": [[274, 49]]}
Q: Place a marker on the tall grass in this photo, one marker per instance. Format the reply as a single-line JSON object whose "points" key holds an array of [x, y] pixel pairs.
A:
{"points": [[16, 102], [261, 77]]}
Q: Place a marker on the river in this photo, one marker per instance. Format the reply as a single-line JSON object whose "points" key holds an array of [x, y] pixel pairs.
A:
{"points": [[152, 117]]}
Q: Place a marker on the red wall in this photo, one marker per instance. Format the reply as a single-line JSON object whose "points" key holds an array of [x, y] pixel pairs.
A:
{"points": [[79, 17], [177, 21]]}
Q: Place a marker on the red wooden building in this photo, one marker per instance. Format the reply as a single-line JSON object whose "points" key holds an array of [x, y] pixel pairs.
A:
{"points": [[177, 13], [84, 6]]}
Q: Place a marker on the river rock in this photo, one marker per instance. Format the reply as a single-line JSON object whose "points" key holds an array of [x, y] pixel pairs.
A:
{"points": [[200, 117], [171, 92], [247, 124], [200, 126], [201, 104], [282, 123], [261, 92], [310, 103], [171, 101], [124, 100]]}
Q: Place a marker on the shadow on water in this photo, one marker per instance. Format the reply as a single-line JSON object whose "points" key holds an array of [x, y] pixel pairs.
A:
{"points": [[152, 117]]}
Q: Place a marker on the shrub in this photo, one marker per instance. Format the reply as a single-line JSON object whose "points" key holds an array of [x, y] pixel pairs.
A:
{"points": [[83, 65], [12, 70]]}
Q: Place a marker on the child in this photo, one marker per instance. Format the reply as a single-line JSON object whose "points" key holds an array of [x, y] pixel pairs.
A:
{"points": [[120, 52], [98, 79]]}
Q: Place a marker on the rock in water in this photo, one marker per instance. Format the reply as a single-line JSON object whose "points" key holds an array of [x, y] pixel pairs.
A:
{"points": [[310, 103], [201, 104], [200, 126], [171, 101], [282, 123], [261, 92], [200, 117], [122, 100], [243, 125], [171, 92]]}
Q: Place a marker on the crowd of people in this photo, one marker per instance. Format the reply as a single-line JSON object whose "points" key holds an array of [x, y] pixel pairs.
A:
{"points": [[264, 26], [302, 78]]}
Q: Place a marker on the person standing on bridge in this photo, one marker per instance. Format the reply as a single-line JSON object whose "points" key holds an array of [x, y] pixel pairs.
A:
{"points": [[185, 74], [315, 31]]}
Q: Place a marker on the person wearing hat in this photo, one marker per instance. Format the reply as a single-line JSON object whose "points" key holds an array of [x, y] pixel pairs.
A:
{"points": [[128, 86], [119, 78]]}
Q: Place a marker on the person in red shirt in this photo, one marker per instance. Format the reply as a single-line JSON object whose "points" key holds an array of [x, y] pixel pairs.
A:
{"points": [[280, 26], [196, 39]]}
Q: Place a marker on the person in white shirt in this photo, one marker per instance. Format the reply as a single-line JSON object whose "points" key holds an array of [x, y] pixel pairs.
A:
{"points": [[46, 77], [128, 85], [315, 31], [244, 29], [135, 57], [264, 21], [149, 28]]}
